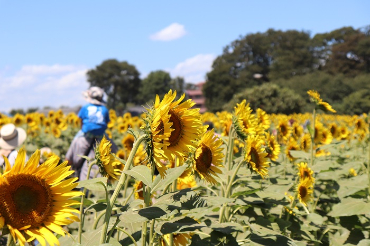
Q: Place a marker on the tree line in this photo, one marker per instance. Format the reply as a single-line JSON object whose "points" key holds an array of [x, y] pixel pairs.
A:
{"points": [[280, 66], [272, 70]]}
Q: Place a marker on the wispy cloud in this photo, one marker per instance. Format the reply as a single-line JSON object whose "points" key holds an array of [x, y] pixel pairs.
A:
{"points": [[43, 85], [172, 32], [194, 69]]}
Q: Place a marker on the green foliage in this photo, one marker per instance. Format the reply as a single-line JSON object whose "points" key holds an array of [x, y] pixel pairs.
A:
{"points": [[269, 97], [156, 83], [329, 63], [120, 81], [357, 103]]}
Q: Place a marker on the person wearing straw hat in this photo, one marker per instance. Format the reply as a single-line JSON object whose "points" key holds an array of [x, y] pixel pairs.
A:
{"points": [[11, 137], [94, 118]]}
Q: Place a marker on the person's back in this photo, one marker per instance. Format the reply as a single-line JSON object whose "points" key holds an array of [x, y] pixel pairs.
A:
{"points": [[94, 119], [94, 115]]}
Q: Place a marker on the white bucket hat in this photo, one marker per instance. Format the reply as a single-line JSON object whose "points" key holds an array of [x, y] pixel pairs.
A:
{"points": [[11, 137], [94, 95]]}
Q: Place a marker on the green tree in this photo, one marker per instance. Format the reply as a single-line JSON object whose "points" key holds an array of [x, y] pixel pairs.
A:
{"points": [[256, 59], [356, 103], [120, 81], [156, 83], [345, 50], [269, 97], [178, 84]]}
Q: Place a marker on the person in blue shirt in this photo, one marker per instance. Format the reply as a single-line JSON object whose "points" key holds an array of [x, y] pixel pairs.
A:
{"points": [[94, 119]]}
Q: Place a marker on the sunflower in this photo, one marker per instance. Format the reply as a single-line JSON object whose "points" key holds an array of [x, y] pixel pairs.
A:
{"points": [[186, 125], [109, 166], [333, 128], [352, 172], [306, 142], [128, 142], [304, 191], [318, 132], [179, 239], [273, 147], [30, 120], [344, 133], [122, 127], [35, 200], [297, 130], [208, 156], [157, 128], [186, 180], [315, 97], [284, 130], [292, 145], [138, 188], [245, 122], [255, 155], [18, 119], [121, 154], [263, 119], [305, 172], [326, 136], [56, 131]]}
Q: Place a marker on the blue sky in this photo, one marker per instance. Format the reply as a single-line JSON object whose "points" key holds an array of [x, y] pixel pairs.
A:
{"points": [[46, 47]]}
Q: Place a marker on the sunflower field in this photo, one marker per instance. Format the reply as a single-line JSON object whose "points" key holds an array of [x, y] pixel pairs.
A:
{"points": [[183, 178]]}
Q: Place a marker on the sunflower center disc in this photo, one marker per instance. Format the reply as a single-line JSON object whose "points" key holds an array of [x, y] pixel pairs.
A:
{"points": [[177, 129], [254, 157], [302, 191], [204, 161], [25, 200]]}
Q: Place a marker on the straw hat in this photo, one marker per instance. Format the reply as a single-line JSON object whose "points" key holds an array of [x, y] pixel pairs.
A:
{"points": [[11, 137], [94, 95]]}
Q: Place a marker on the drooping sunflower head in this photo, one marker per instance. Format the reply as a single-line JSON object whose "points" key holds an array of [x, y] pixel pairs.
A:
{"points": [[186, 125], [208, 157], [314, 96], [244, 122], [273, 147], [305, 172], [304, 191], [255, 155], [326, 107], [157, 128], [109, 166], [35, 199]]}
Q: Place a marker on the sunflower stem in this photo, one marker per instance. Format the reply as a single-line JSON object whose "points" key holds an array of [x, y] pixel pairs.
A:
{"points": [[98, 219], [171, 240], [119, 186], [128, 234], [228, 190], [82, 214], [151, 235]]}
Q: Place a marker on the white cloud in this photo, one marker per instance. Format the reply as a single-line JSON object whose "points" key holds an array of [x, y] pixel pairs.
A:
{"points": [[43, 85], [172, 32], [194, 69]]}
